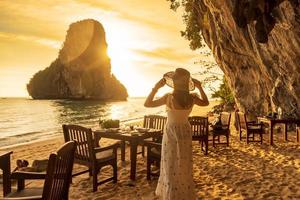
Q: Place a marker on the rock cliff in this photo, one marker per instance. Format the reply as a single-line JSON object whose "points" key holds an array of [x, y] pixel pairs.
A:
{"points": [[257, 45], [82, 69]]}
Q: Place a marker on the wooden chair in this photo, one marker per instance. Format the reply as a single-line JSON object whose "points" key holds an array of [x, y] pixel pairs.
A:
{"points": [[154, 146], [154, 122], [88, 154], [153, 156], [57, 179], [223, 130], [250, 128], [200, 131]]}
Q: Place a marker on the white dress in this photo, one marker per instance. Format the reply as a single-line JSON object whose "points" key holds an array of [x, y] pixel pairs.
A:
{"points": [[176, 172]]}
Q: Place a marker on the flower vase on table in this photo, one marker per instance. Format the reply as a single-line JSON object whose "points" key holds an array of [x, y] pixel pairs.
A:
{"points": [[109, 123]]}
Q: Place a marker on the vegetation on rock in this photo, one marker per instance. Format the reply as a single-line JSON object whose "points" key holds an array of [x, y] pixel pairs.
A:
{"points": [[193, 29], [224, 93]]}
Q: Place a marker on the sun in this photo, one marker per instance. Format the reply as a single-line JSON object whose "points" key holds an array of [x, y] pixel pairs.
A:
{"points": [[124, 68], [123, 62]]}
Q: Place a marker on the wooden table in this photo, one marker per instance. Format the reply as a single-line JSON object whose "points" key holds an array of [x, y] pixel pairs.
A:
{"points": [[5, 166], [272, 122], [133, 140]]}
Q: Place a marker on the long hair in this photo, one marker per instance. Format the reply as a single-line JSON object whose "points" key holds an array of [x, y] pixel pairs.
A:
{"points": [[183, 98]]}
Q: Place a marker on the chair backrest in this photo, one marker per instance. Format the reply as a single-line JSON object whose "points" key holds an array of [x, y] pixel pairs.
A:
{"points": [[59, 173], [225, 119], [155, 122], [199, 126], [242, 120], [84, 139]]}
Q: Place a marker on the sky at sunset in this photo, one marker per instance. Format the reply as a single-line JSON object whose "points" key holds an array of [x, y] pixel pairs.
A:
{"points": [[143, 39]]}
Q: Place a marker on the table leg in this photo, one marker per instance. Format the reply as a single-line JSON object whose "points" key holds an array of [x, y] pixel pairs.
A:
{"points": [[133, 155], [285, 132], [5, 166], [123, 150], [271, 133]]}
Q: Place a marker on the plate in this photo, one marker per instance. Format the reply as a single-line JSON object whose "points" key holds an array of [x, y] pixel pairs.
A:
{"points": [[142, 130], [135, 133], [113, 130]]}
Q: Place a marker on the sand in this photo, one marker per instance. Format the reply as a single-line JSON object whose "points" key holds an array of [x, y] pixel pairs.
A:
{"points": [[240, 171]]}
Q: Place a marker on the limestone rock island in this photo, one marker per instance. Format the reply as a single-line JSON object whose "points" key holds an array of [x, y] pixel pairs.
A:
{"points": [[82, 69]]}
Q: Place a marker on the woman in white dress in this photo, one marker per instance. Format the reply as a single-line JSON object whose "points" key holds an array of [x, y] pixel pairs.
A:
{"points": [[176, 172]]}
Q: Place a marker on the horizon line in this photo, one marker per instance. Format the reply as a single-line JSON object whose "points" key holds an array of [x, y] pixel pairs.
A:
{"points": [[46, 99]]}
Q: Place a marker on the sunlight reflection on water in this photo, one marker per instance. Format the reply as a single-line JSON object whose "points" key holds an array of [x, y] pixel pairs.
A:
{"points": [[23, 120]]}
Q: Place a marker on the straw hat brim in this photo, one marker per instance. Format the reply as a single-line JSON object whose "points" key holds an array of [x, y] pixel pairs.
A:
{"points": [[169, 80]]}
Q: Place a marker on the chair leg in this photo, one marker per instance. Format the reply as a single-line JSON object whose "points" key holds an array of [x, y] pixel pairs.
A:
{"points": [[201, 142], [240, 135], [227, 140], [21, 184], [206, 146], [297, 130], [214, 145], [247, 138], [95, 183], [90, 172], [143, 150], [148, 169]]}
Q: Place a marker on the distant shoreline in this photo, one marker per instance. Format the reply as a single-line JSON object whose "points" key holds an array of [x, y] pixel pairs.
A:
{"points": [[130, 97]]}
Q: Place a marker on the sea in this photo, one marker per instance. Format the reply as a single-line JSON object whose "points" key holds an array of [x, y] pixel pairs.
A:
{"points": [[24, 120]]}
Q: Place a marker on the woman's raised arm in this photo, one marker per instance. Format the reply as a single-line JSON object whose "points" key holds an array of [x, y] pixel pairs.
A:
{"points": [[150, 102], [203, 101]]}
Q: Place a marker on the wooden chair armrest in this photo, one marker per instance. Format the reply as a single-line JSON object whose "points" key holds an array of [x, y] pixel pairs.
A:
{"points": [[152, 144], [28, 175], [156, 139], [23, 198], [109, 147], [219, 125], [257, 124]]}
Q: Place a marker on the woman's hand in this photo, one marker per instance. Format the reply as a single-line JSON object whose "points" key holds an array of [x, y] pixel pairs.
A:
{"points": [[160, 84], [203, 101], [196, 83], [150, 102]]}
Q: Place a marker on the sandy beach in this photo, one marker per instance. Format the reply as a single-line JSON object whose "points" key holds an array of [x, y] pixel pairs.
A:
{"points": [[239, 171]]}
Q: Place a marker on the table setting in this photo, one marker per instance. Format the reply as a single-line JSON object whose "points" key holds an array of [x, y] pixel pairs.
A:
{"points": [[134, 135]]}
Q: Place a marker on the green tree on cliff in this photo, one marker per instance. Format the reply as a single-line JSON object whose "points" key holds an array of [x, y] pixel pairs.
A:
{"points": [[192, 31], [224, 93]]}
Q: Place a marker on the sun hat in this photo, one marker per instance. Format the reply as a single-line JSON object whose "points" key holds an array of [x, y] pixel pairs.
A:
{"points": [[180, 79]]}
